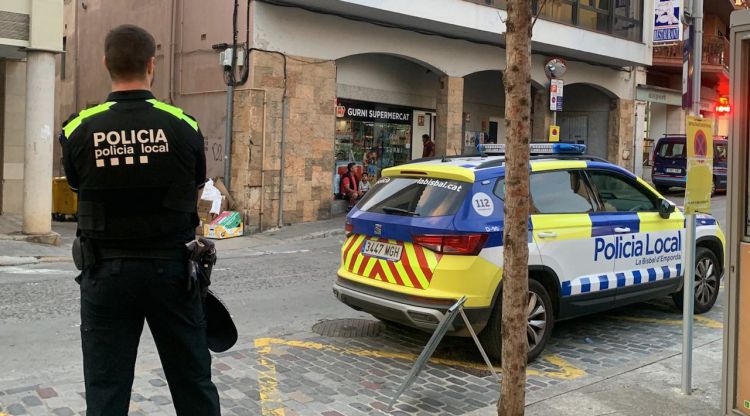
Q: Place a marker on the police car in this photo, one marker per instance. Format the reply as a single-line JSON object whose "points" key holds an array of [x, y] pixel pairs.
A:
{"points": [[431, 231]]}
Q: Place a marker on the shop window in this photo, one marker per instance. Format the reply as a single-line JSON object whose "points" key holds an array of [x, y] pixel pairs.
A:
{"points": [[377, 136]]}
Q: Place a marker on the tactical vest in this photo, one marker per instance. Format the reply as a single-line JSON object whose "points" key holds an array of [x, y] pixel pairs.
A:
{"points": [[136, 166]]}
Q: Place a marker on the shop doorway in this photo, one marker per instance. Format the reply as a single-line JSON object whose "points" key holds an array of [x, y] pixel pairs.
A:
{"points": [[574, 128], [424, 123], [496, 131]]}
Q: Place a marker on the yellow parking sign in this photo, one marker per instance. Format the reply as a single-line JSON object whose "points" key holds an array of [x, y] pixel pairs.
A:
{"points": [[554, 133], [700, 156]]}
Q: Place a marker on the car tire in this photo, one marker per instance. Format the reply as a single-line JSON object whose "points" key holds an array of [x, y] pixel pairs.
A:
{"points": [[662, 189], [491, 336], [707, 282]]}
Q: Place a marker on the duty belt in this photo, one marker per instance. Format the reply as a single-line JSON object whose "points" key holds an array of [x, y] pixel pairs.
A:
{"points": [[139, 253]]}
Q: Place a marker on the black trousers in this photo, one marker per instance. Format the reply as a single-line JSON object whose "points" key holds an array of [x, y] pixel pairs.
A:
{"points": [[116, 297]]}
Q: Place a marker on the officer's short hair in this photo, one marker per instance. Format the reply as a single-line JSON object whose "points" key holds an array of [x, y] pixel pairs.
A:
{"points": [[127, 51]]}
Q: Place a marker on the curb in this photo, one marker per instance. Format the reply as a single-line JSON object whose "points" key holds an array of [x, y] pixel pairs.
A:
{"points": [[27, 260], [319, 234], [52, 238], [6, 261], [17, 260]]}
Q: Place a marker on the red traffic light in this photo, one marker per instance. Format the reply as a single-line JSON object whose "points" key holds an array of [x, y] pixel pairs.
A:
{"points": [[723, 106]]}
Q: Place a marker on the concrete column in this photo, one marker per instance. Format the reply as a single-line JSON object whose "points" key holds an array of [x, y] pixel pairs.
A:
{"points": [[449, 123], [40, 116], [621, 128], [640, 126]]}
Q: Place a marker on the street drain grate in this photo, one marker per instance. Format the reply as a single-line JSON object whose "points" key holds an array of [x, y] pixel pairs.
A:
{"points": [[349, 328]]}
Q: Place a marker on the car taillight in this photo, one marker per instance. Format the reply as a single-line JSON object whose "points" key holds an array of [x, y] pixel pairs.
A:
{"points": [[461, 244], [348, 229]]}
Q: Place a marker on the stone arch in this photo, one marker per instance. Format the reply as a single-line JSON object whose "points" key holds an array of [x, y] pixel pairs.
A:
{"points": [[484, 101], [387, 78]]}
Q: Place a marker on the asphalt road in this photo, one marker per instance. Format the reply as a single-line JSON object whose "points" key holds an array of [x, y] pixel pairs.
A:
{"points": [[282, 289]]}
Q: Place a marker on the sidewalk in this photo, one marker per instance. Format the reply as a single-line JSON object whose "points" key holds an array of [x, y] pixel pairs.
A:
{"points": [[14, 251], [653, 388]]}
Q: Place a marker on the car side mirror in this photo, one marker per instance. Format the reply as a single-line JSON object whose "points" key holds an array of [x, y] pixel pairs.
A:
{"points": [[666, 209]]}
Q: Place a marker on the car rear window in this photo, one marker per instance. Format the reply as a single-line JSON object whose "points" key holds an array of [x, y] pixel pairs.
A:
{"points": [[422, 197], [671, 150]]}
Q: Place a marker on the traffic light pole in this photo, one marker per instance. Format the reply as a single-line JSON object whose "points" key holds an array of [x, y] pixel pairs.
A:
{"points": [[688, 283]]}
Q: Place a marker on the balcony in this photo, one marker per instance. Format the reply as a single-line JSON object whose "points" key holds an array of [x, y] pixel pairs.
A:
{"points": [[611, 17], [715, 54]]}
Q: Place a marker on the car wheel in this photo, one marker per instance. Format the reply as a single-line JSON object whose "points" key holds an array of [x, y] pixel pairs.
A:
{"points": [[539, 324], [662, 189], [707, 281]]}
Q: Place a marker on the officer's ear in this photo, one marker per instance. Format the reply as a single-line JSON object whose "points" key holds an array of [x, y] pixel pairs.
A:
{"points": [[151, 66], [151, 70]]}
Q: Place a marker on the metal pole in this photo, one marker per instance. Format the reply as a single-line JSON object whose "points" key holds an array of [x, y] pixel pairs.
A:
{"points": [[688, 284], [687, 307], [228, 137]]}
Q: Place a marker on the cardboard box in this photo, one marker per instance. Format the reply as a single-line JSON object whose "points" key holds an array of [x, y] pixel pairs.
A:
{"points": [[225, 193], [204, 213], [227, 225], [218, 232]]}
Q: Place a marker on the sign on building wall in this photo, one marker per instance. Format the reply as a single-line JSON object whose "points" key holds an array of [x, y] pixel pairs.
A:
{"points": [[667, 24], [373, 112], [556, 95]]}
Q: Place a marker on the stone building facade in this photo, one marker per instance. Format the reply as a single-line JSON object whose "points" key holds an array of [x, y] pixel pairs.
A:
{"points": [[344, 81]]}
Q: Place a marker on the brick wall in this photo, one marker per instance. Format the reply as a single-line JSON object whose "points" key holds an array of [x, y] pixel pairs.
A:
{"points": [[308, 141]]}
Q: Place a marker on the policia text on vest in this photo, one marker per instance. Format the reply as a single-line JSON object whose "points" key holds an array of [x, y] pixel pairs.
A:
{"points": [[137, 164]]}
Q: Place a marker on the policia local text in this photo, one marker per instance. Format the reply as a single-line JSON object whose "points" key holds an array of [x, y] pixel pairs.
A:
{"points": [[121, 142]]}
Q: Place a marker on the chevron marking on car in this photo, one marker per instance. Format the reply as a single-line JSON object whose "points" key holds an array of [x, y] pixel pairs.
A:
{"points": [[415, 269]]}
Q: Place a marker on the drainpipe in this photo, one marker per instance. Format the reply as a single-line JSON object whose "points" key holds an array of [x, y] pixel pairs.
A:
{"points": [[172, 27], [228, 137], [284, 105]]}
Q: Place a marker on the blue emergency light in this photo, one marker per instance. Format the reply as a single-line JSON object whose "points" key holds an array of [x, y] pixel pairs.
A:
{"points": [[537, 148]]}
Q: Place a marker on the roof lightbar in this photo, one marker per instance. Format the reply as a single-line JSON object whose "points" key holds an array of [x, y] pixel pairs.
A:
{"points": [[544, 148]]}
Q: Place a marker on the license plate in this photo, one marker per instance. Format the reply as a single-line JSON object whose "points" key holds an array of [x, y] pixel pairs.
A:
{"points": [[672, 170], [380, 250]]}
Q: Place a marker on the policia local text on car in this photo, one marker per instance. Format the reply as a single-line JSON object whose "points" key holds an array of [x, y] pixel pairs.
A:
{"points": [[136, 164]]}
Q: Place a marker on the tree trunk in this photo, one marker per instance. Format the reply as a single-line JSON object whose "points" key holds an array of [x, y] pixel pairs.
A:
{"points": [[517, 80]]}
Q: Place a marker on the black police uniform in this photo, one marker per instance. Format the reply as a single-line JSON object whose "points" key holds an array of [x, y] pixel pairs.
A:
{"points": [[136, 164]]}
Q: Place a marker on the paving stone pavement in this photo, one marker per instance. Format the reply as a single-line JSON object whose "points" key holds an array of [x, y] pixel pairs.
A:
{"points": [[310, 374]]}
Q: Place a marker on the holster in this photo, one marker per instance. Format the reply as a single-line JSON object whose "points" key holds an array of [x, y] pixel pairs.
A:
{"points": [[201, 260], [84, 255]]}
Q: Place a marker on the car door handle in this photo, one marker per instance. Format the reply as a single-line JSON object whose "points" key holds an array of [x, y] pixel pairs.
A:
{"points": [[622, 230], [546, 234]]}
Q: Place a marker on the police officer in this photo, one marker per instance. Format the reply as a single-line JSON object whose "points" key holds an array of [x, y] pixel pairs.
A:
{"points": [[136, 164]]}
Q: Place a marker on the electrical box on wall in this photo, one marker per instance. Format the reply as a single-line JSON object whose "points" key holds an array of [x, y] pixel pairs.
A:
{"points": [[225, 57]]}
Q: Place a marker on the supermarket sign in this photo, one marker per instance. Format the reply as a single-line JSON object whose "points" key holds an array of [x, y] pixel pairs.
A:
{"points": [[373, 112]]}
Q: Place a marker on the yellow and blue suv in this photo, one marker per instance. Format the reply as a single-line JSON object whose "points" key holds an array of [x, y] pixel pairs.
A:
{"points": [[431, 231]]}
